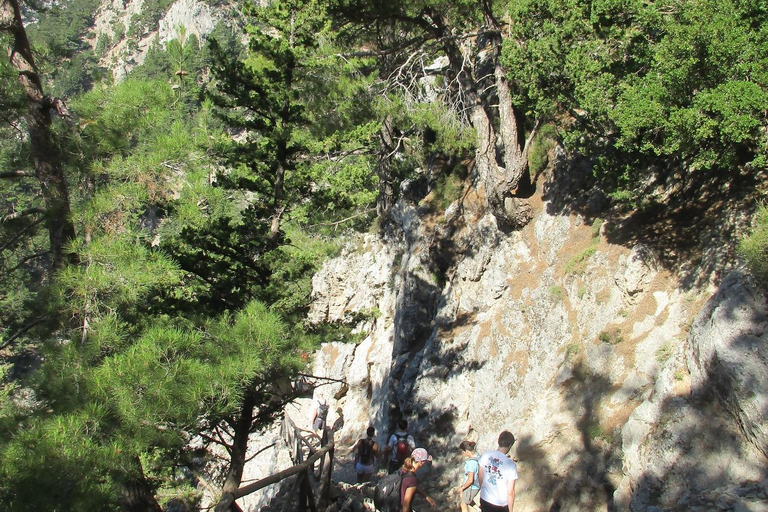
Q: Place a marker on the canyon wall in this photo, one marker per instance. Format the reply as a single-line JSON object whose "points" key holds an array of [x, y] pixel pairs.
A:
{"points": [[630, 383]]}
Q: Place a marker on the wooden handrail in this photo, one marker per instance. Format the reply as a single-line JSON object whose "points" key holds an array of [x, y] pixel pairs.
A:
{"points": [[227, 499]]}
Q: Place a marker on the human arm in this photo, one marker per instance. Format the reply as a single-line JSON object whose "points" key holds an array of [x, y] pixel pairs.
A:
{"points": [[354, 448], [388, 448], [429, 500], [511, 495], [410, 492], [468, 482], [480, 475]]}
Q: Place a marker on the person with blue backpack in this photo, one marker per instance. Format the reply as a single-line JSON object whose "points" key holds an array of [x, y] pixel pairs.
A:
{"points": [[470, 487], [365, 461]]}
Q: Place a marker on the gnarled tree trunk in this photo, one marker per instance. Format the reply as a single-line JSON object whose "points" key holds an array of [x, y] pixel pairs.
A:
{"points": [[501, 158]]}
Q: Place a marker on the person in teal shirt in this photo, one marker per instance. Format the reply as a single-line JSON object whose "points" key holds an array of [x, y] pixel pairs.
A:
{"points": [[470, 487]]}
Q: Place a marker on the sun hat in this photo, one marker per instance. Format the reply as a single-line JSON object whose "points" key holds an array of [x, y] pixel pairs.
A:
{"points": [[420, 455]]}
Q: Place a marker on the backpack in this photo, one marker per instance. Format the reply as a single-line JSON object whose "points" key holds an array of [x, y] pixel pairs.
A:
{"points": [[386, 497], [365, 452], [322, 411], [402, 448]]}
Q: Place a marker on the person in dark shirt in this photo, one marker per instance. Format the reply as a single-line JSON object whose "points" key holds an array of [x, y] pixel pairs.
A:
{"points": [[409, 487], [365, 461]]}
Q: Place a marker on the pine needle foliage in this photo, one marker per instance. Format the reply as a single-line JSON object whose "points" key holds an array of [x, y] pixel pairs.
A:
{"points": [[754, 248]]}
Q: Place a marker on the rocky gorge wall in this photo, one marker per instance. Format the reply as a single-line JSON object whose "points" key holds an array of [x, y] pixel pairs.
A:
{"points": [[630, 384]]}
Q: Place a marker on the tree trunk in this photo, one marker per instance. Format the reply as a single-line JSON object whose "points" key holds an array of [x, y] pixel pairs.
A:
{"points": [[386, 198], [500, 157], [242, 431], [46, 154], [138, 495]]}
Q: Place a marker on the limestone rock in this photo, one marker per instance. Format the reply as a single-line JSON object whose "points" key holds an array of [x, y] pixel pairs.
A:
{"points": [[730, 356], [593, 370]]}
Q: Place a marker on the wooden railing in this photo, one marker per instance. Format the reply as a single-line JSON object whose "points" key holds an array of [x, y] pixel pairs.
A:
{"points": [[293, 438]]}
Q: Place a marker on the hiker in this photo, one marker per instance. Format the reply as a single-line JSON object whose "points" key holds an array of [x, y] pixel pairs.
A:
{"points": [[469, 488], [319, 413], [339, 423], [497, 474], [367, 449], [399, 447], [409, 486]]}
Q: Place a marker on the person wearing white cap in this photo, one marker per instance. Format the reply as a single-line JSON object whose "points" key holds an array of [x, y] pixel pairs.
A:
{"points": [[409, 486]]}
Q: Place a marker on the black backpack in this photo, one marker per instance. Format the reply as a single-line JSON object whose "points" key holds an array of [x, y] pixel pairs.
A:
{"points": [[387, 494], [365, 452], [322, 411]]}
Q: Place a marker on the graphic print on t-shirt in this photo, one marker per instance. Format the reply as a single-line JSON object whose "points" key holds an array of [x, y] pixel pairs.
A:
{"points": [[492, 471]]}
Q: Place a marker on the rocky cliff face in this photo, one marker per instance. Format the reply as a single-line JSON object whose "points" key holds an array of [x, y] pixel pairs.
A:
{"points": [[114, 19], [630, 383]]}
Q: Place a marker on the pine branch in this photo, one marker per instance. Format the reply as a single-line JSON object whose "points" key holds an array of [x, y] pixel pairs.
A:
{"points": [[17, 215], [16, 174], [20, 233], [25, 260], [259, 452], [24, 330]]}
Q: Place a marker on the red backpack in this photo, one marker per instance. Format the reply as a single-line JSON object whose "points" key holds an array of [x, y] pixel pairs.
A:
{"points": [[402, 448]]}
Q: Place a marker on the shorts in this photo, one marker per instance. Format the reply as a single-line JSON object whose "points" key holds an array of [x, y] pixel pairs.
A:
{"points": [[487, 507], [468, 495], [364, 470]]}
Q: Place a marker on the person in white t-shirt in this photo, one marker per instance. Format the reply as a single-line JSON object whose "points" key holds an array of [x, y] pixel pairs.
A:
{"points": [[497, 475], [399, 447]]}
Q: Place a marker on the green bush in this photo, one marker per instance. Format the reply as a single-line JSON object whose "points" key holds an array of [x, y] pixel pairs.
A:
{"points": [[612, 337], [447, 189], [578, 264], [754, 248], [556, 293], [545, 140]]}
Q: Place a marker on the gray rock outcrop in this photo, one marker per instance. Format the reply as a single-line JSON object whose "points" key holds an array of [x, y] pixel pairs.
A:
{"points": [[626, 389]]}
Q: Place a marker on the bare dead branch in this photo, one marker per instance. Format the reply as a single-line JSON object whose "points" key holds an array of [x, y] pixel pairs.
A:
{"points": [[25, 260], [210, 439], [24, 330], [317, 377], [18, 215], [16, 174], [260, 451], [20, 234]]}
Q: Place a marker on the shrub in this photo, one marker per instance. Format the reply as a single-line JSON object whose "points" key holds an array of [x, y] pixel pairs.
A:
{"points": [[663, 353], [545, 140], [612, 337], [556, 293], [596, 226], [754, 248], [578, 263], [447, 189]]}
